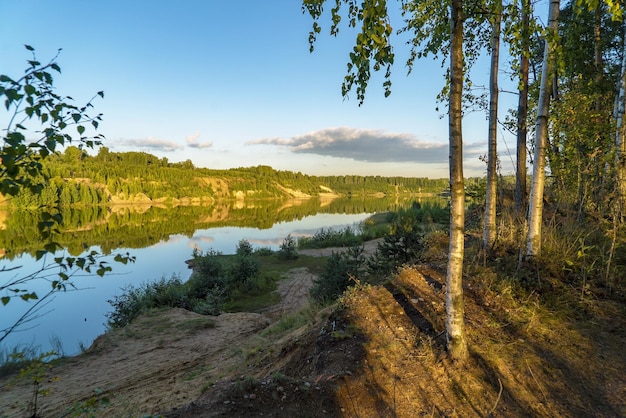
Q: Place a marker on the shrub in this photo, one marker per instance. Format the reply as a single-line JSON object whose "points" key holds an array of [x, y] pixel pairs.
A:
{"points": [[288, 249], [211, 304], [339, 271], [405, 244], [325, 238], [243, 270], [137, 300], [208, 273], [263, 251], [244, 248]]}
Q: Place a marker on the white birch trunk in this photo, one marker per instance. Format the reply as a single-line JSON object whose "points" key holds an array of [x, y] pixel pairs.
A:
{"points": [[455, 310], [535, 204]]}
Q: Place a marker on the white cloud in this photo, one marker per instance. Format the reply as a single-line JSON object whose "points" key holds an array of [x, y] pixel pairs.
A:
{"points": [[193, 141], [151, 144], [367, 145]]}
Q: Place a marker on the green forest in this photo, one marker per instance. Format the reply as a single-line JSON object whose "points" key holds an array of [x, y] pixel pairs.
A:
{"points": [[76, 178]]}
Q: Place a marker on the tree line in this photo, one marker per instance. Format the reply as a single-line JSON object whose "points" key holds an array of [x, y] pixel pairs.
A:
{"points": [[76, 178]]}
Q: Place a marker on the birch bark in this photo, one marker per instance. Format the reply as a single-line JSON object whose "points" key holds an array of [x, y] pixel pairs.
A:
{"points": [[535, 204]]}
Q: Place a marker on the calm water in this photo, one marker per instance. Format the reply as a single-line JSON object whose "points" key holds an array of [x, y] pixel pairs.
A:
{"points": [[78, 317]]}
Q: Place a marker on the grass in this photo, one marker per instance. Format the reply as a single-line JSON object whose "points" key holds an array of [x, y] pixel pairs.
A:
{"points": [[286, 323]]}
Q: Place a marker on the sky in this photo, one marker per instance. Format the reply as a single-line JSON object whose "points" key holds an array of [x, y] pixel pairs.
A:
{"points": [[232, 84]]}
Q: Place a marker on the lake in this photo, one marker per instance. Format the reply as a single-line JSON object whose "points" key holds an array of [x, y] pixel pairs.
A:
{"points": [[161, 239]]}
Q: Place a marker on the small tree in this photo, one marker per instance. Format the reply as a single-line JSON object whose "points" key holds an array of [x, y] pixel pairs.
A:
{"points": [[288, 249], [244, 248]]}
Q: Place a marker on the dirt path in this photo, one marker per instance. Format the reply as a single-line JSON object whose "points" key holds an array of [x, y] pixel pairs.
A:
{"points": [[294, 293]]}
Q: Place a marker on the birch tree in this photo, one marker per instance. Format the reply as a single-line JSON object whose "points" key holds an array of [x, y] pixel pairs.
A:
{"points": [[436, 26], [535, 205], [455, 308]]}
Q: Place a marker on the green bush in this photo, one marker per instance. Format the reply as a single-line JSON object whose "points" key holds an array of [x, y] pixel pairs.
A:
{"points": [[325, 238], [243, 270], [244, 248], [263, 251], [149, 295], [405, 243], [288, 249], [211, 304], [208, 273], [340, 270]]}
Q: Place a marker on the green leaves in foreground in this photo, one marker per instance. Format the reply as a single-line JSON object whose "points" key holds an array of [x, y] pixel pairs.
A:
{"points": [[32, 100]]}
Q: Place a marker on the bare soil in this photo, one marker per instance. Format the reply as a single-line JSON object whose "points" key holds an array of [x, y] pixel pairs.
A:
{"points": [[380, 353]]}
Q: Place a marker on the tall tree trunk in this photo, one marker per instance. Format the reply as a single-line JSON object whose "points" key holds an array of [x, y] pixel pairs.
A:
{"points": [[455, 322], [489, 233], [522, 113], [620, 137], [535, 205]]}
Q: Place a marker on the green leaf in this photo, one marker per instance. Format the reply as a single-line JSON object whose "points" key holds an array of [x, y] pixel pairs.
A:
{"points": [[5, 300], [55, 67], [80, 129], [76, 117], [30, 48], [28, 296]]}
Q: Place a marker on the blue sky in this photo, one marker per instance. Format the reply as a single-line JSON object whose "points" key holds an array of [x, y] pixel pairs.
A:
{"points": [[232, 84]]}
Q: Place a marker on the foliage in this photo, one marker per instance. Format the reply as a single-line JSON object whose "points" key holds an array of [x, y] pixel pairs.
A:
{"points": [[263, 251], [288, 249], [340, 271], [34, 109], [244, 248], [328, 237], [216, 281], [405, 243], [242, 270], [137, 300], [31, 100], [76, 178]]}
